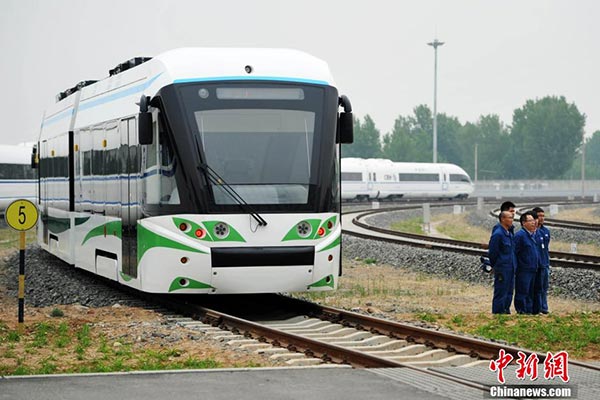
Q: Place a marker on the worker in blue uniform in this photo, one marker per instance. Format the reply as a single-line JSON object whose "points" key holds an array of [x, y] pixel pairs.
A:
{"points": [[528, 261], [502, 257], [542, 277], [510, 207]]}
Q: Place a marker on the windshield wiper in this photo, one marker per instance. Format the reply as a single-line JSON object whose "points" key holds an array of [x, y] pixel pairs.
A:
{"points": [[217, 180]]}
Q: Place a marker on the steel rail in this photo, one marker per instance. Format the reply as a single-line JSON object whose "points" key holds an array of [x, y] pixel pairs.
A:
{"points": [[569, 260], [314, 348], [444, 340], [341, 355], [559, 223]]}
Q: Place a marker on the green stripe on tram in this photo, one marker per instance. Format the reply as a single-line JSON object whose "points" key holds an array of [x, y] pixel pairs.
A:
{"points": [[147, 240], [112, 228]]}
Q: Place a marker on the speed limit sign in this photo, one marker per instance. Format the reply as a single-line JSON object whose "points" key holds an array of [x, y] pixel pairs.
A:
{"points": [[21, 215]]}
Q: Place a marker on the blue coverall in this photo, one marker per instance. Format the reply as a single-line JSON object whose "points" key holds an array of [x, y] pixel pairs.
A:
{"points": [[528, 261], [502, 258], [499, 226], [540, 299]]}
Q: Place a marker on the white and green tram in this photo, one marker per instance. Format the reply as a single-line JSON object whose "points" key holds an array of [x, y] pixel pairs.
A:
{"points": [[198, 171]]}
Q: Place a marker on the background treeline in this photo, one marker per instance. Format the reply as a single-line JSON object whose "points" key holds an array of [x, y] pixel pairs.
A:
{"points": [[544, 142]]}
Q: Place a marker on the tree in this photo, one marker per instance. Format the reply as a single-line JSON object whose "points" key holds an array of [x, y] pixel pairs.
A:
{"points": [[367, 143], [545, 137], [592, 156], [448, 130], [411, 139], [408, 141], [491, 137], [592, 160]]}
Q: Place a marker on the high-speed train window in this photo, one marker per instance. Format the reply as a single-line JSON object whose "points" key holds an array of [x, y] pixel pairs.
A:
{"points": [[459, 178], [419, 177], [352, 176]]}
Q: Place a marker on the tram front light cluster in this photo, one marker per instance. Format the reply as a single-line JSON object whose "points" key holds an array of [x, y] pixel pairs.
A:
{"points": [[221, 230], [304, 229], [200, 233]]}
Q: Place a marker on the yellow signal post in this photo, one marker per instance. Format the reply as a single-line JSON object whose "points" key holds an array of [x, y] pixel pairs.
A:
{"points": [[21, 215]]}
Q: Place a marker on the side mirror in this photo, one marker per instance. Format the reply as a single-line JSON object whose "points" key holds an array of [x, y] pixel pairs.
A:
{"points": [[345, 122], [144, 122], [145, 128], [346, 128]]}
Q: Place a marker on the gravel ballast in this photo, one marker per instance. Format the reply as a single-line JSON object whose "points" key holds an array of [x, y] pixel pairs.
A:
{"points": [[51, 281]]}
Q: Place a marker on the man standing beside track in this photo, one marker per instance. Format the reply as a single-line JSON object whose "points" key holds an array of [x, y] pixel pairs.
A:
{"points": [[528, 262], [510, 207], [502, 258], [540, 290]]}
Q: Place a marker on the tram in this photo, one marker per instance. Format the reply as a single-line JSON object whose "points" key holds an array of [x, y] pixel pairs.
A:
{"points": [[198, 171]]}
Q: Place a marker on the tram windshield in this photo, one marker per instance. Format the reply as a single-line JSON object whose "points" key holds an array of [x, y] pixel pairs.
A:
{"points": [[261, 142]]}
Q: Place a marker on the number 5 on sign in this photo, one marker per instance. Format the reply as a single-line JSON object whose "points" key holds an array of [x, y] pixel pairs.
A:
{"points": [[21, 215]]}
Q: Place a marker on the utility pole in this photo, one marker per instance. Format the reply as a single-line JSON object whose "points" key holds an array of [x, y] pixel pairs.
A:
{"points": [[435, 45], [583, 169], [476, 145]]}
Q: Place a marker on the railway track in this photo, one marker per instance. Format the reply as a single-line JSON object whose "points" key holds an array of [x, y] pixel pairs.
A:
{"points": [[559, 223], [343, 337], [586, 226], [353, 224]]}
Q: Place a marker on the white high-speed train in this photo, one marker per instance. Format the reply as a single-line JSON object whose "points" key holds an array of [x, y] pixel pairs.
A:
{"points": [[17, 178], [375, 178]]}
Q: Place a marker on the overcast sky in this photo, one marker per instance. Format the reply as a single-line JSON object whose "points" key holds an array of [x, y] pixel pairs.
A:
{"points": [[497, 54]]}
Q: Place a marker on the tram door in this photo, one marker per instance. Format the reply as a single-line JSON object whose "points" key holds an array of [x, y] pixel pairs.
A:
{"points": [[129, 160]]}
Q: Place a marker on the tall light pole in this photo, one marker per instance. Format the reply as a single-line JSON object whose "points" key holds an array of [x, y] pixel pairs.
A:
{"points": [[435, 45]]}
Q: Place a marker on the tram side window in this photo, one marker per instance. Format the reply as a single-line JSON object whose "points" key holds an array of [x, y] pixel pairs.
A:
{"points": [[168, 165], [111, 166], [87, 163]]}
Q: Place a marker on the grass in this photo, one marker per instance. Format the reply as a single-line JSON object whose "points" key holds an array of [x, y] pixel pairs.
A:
{"points": [[578, 333], [9, 239], [584, 214], [48, 348], [412, 225], [456, 227], [57, 313], [404, 295]]}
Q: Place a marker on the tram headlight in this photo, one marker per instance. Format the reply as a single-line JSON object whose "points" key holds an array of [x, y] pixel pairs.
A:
{"points": [[200, 233], [321, 231], [304, 229], [221, 230], [329, 224]]}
